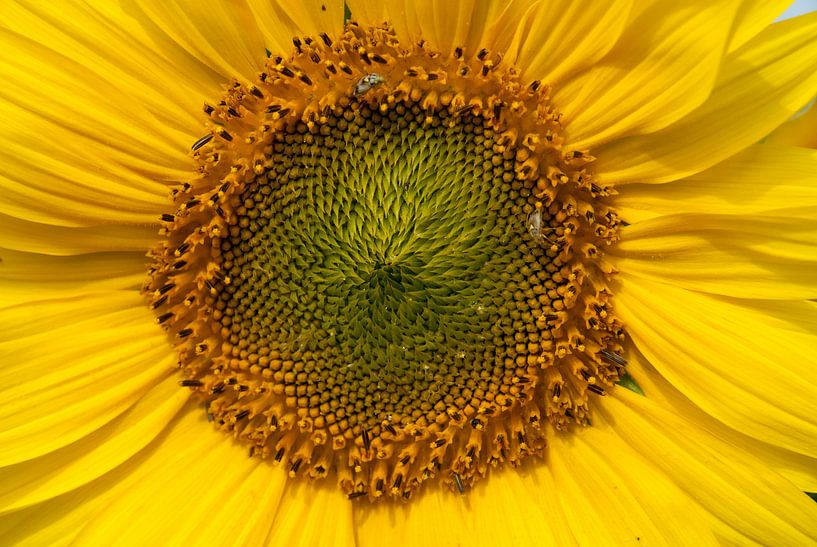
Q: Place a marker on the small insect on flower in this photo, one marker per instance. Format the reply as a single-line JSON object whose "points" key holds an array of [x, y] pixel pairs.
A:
{"points": [[368, 82], [537, 227], [535, 224]]}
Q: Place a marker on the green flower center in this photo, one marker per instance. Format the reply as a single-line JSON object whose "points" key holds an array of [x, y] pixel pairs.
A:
{"points": [[387, 289]]}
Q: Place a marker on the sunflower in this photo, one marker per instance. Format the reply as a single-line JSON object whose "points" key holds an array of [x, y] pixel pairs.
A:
{"points": [[423, 273]]}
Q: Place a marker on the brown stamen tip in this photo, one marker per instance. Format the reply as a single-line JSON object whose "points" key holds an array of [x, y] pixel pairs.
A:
{"points": [[202, 141], [366, 441], [458, 482], [613, 357]]}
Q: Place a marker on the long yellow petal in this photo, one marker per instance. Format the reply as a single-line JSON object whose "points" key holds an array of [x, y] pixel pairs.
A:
{"points": [[469, 24], [512, 506], [40, 315], [433, 517], [72, 176], [58, 521], [312, 514], [753, 16], [60, 384], [733, 360], [758, 256], [34, 237], [629, 92], [760, 86], [744, 500], [761, 179], [82, 462], [117, 44], [238, 496], [69, 144], [559, 39], [227, 498], [220, 34], [798, 468], [280, 21], [80, 106], [28, 276], [612, 495], [593, 489], [518, 507]]}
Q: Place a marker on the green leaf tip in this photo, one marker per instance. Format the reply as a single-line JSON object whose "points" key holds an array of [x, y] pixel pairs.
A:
{"points": [[627, 381]]}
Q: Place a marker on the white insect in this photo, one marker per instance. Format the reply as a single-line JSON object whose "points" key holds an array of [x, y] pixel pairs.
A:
{"points": [[368, 82], [535, 228], [535, 224]]}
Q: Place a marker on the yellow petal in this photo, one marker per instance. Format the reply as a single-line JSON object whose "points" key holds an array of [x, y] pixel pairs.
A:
{"points": [[760, 86], [280, 21], [34, 237], [29, 276], [558, 39], [69, 144], [770, 257], [743, 499], [80, 110], [801, 131], [56, 522], [312, 514], [115, 44], [799, 469], [60, 384], [628, 91], [612, 495], [101, 103], [34, 200], [753, 16], [492, 25], [469, 24], [194, 486], [40, 316], [434, 516], [762, 178], [517, 507], [55, 183], [446, 24], [400, 14], [740, 365], [221, 34], [592, 489], [79, 463], [510, 507]]}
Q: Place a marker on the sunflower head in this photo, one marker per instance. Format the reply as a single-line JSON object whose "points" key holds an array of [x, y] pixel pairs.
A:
{"points": [[388, 265]]}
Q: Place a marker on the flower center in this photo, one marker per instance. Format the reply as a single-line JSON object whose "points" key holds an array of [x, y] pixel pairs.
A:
{"points": [[388, 268]]}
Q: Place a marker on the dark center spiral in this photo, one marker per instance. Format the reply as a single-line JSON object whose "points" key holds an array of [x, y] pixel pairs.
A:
{"points": [[384, 267]]}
